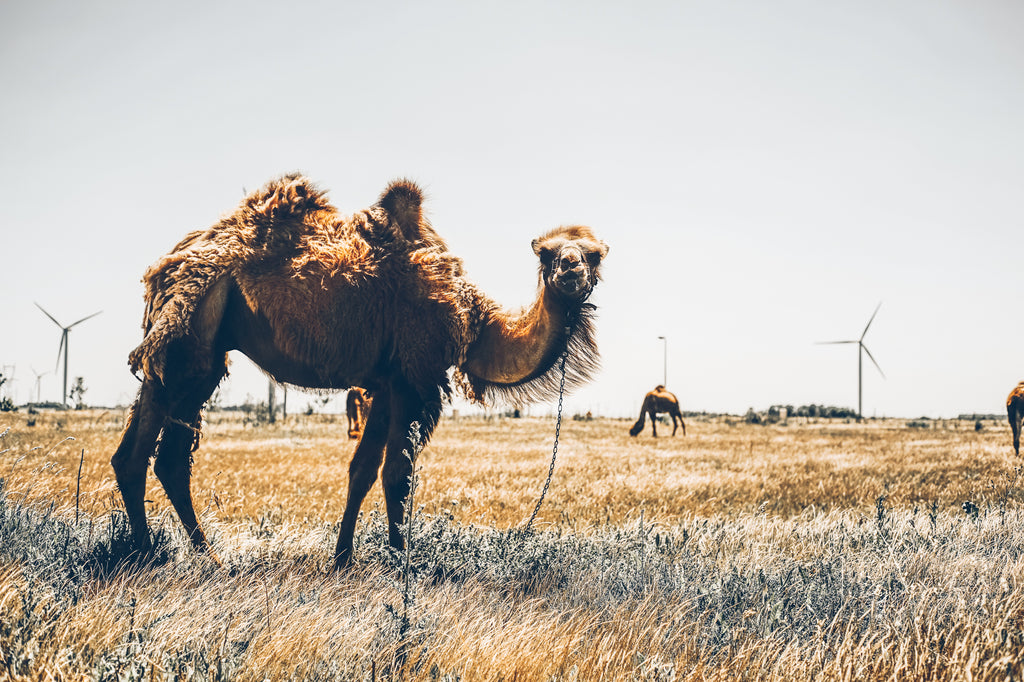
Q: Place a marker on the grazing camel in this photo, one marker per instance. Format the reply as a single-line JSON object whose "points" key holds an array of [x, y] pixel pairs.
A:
{"points": [[356, 408], [1015, 411], [659, 400], [324, 301]]}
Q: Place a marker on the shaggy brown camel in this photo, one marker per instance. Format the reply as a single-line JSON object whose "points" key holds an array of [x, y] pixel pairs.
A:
{"points": [[1015, 411], [355, 409], [659, 400], [323, 301]]}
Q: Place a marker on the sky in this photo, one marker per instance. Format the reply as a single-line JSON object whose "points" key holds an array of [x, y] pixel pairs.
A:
{"points": [[765, 174]]}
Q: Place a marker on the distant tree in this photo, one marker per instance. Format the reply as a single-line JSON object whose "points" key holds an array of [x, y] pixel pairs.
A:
{"points": [[77, 393], [6, 404]]}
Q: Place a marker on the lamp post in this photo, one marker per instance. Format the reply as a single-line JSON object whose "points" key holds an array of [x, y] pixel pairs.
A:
{"points": [[664, 361]]}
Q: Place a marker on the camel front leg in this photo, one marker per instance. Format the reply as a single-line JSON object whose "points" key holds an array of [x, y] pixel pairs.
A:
{"points": [[362, 472], [407, 408], [654, 423], [1015, 423]]}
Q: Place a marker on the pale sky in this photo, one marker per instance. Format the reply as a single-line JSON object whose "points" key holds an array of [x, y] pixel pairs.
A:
{"points": [[764, 172]]}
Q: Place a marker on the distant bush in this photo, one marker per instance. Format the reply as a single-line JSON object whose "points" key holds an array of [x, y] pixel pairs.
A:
{"points": [[6, 404]]}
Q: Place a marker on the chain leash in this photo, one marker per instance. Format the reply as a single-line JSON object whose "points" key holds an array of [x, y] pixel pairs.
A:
{"points": [[554, 450]]}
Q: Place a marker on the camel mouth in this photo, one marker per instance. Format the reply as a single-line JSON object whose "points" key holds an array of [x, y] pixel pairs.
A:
{"points": [[572, 283]]}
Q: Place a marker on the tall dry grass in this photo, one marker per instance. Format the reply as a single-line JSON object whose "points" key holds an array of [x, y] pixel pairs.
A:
{"points": [[810, 551]]}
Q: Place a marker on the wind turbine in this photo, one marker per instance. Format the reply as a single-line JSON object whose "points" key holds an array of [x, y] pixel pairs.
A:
{"points": [[64, 345], [861, 349], [39, 378]]}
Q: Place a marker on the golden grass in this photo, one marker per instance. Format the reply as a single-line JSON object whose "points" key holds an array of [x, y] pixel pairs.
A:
{"points": [[491, 471], [731, 543]]}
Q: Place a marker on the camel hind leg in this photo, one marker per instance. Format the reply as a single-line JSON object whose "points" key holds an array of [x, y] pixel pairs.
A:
{"points": [[131, 460], [677, 415], [164, 420], [180, 439]]}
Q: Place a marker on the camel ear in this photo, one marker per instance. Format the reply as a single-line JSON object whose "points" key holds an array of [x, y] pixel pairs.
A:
{"points": [[403, 201]]}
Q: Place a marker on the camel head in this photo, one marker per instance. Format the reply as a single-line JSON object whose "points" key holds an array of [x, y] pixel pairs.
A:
{"points": [[570, 261]]}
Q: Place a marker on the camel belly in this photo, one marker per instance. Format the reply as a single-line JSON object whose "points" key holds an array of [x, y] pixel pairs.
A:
{"points": [[300, 336]]}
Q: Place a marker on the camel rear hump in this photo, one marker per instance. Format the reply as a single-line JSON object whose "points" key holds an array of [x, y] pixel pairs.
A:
{"points": [[403, 202]]}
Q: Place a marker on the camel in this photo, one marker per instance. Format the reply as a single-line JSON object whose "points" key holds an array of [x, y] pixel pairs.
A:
{"points": [[659, 400], [1015, 411], [356, 407], [324, 301]]}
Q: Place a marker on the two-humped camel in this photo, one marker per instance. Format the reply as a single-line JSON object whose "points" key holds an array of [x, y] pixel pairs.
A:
{"points": [[1015, 411], [659, 400], [356, 406], [324, 301]]}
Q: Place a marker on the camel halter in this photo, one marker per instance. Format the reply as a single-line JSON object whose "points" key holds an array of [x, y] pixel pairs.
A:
{"points": [[570, 324], [554, 450]]}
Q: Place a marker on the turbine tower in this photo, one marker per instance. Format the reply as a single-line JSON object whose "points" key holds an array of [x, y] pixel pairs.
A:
{"points": [[64, 346], [861, 349]]}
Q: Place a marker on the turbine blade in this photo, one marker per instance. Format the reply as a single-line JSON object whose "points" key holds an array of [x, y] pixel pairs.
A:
{"points": [[84, 319], [828, 343], [49, 316], [873, 360], [870, 321], [60, 349]]}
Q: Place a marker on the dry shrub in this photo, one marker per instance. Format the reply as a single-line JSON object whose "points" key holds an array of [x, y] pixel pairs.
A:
{"points": [[811, 551]]}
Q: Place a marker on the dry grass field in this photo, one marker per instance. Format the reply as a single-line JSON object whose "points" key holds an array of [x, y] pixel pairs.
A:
{"points": [[821, 550]]}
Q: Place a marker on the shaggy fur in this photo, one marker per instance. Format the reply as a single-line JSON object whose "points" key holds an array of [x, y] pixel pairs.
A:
{"points": [[1015, 411], [659, 400], [325, 301]]}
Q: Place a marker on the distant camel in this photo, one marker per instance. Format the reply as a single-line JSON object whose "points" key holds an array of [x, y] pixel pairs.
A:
{"points": [[356, 406], [325, 301], [1015, 411], [659, 400]]}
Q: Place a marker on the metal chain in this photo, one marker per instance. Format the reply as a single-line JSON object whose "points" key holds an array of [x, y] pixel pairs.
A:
{"points": [[554, 451]]}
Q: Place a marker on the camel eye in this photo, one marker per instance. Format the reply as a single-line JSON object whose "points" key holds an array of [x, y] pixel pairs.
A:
{"points": [[547, 257]]}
